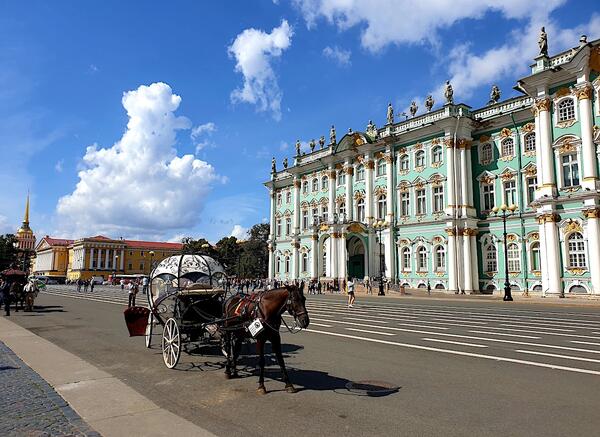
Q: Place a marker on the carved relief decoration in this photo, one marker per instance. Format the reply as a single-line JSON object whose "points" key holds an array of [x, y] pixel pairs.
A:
{"points": [[585, 92], [507, 176], [349, 170], [435, 141], [341, 198], [542, 105], [572, 226], [576, 271], [529, 127], [534, 236], [418, 146], [469, 232], [380, 190], [562, 92], [531, 171], [591, 213], [359, 194], [484, 139], [370, 165], [550, 217], [505, 133], [487, 179], [449, 142]]}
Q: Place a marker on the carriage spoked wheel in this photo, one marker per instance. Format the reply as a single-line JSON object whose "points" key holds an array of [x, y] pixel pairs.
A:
{"points": [[149, 328], [171, 343]]}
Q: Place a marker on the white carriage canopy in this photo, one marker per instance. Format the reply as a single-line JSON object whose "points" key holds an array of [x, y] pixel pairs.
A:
{"points": [[180, 272]]}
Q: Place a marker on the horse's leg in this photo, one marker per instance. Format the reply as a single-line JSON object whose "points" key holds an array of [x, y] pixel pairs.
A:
{"points": [[227, 348], [260, 348], [276, 342], [237, 346]]}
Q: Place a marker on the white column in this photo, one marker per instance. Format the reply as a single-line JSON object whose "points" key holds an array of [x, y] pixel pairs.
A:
{"points": [[314, 256], [295, 262], [369, 165], [545, 159], [333, 254], [91, 260], [550, 253], [590, 172], [331, 179], [593, 237], [450, 184], [391, 218], [349, 194], [99, 261], [106, 259], [114, 260], [342, 257], [474, 265], [271, 269], [271, 237], [464, 187], [469, 179], [122, 259], [452, 276], [296, 198], [467, 255]]}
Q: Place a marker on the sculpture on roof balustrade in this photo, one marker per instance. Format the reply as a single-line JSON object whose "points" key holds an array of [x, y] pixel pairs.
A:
{"points": [[494, 95], [312, 145], [332, 135], [322, 141], [429, 102], [285, 163], [413, 108], [372, 130], [298, 145], [543, 42], [449, 93], [273, 166], [390, 114]]}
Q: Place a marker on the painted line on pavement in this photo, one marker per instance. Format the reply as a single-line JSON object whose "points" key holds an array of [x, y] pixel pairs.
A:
{"points": [[466, 354], [585, 342], [503, 334], [566, 357], [364, 320], [423, 327], [545, 333], [318, 324], [369, 332], [537, 327], [85, 298], [439, 340]]}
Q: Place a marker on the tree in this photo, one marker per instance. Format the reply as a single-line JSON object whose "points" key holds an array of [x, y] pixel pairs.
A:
{"points": [[200, 246], [255, 256], [8, 252], [229, 251]]}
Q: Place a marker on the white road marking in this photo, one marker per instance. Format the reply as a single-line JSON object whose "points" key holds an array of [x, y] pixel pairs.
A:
{"points": [[423, 327], [95, 299], [566, 357], [537, 327], [466, 354], [364, 320], [314, 323], [545, 333], [453, 342], [470, 322], [370, 332], [585, 342], [504, 334]]}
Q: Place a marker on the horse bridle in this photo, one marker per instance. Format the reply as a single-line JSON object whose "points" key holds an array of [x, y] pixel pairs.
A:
{"points": [[290, 310]]}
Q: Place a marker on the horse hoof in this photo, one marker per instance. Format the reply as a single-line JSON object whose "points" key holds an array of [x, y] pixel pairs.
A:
{"points": [[235, 375], [291, 389], [261, 391], [227, 376]]}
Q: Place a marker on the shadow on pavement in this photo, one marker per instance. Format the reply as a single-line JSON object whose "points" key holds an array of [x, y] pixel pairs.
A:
{"points": [[47, 309]]}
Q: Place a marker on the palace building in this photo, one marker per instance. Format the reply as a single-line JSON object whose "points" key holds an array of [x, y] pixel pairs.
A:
{"points": [[417, 200]]}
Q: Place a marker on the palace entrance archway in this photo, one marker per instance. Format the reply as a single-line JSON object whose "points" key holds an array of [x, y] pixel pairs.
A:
{"points": [[356, 257]]}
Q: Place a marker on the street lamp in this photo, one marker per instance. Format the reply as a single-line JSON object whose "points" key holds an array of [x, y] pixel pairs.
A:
{"points": [[505, 211], [379, 226]]}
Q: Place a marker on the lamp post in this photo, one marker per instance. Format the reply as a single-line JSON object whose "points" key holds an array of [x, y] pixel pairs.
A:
{"points": [[151, 261], [505, 211], [379, 226]]}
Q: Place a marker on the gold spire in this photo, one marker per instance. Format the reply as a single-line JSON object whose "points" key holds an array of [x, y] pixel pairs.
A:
{"points": [[26, 217]]}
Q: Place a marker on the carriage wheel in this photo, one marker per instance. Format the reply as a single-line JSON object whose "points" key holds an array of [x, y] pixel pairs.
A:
{"points": [[171, 343], [149, 327]]}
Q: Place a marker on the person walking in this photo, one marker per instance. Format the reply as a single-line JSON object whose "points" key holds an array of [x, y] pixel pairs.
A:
{"points": [[319, 287], [131, 291], [85, 285], [92, 283], [79, 285], [122, 282], [5, 296], [145, 285], [351, 297]]}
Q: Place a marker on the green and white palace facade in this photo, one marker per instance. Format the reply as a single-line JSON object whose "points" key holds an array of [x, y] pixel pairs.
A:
{"points": [[433, 180]]}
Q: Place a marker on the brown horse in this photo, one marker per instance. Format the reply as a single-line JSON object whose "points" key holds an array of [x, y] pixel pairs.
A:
{"points": [[268, 307]]}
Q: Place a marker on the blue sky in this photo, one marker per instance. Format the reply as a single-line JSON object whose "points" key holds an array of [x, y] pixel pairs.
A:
{"points": [[306, 64]]}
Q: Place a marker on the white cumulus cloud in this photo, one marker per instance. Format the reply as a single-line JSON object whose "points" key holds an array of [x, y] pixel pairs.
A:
{"points": [[239, 232], [254, 50], [139, 185], [200, 133], [340, 56]]}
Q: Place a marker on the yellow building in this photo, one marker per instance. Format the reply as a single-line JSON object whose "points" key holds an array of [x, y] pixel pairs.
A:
{"points": [[25, 236], [99, 257]]}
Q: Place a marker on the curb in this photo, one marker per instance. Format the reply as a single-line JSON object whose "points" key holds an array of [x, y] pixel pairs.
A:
{"points": [[104, 402]]}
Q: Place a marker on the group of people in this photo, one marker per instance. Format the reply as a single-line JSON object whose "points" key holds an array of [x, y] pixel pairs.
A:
{"points": [[6, 295], [84, 284]]}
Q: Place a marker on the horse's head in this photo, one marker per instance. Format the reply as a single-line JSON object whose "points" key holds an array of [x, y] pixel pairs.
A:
{"points": [[296, 306]]}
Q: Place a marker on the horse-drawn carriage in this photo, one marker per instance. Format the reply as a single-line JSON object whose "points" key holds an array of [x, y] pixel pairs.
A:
{"points": [[22, 291]]}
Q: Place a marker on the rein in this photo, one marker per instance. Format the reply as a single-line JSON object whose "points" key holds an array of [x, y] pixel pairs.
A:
{"points": [[286, 306]]}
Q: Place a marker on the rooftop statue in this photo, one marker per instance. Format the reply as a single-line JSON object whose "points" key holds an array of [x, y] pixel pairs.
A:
{"points": [[429, 102], [494, 95], [312, 145], [350, 131], [413, 108], [285, 163], [372, 129], [390, 114], [273, 166], [449, 93], [543, 42], [298, 145], [332, 135], [583, 40], [322, 141]]}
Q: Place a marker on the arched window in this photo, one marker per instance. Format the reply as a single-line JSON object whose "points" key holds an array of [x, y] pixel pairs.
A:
{"points": [[440, 258], [491, 262], [360, 210], [436, 154], [287, 264], [304, 219], [341, 178], [305, 262], [514, 260], [381, 167], [536, 261], [277, 264], [420, 159], [315, 184], [278, 227], [508, 147], [576, 251], [342, 209], [288, 197], [279, 198], [381, 207], [305, 187], [360, 173], [324, 183], [405, 256], [487, 153], [325, 212], [288, 226], [438, 198], [530, 142], [404, 163], [570, 170], [422, 259], [566, 110]]}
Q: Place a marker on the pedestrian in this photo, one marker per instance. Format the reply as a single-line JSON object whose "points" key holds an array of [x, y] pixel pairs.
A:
{"points": [[428, 287], [92, 283], [319, 287], [351, 297], [145, 285], [5, 295], [79, 285], [85, 285], [122, 282], [131, 291]]}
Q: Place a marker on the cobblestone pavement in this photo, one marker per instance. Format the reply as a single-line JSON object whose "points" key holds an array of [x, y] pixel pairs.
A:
{"points": [[29, 406]]}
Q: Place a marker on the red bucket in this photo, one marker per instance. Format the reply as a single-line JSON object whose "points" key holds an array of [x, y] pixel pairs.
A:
{"points": [[136, 319]]}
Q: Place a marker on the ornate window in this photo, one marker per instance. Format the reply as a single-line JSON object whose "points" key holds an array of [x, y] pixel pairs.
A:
{"points": [[341, 178], [570, 170], [315, 215], [315, 185], [420, 159], [279, 199], [514, 258], [530, 142], [288, 197], [277, 264], [405, 256], [576, 251], [305, 187], [342, 209], [510, 192], [508, 147], [325, 183], [381, 207], [487, 153], [381, 168], [305, 262], [440, 258], [566, 110], [305, 219], [491, 261], [488, 194], [287, 264], [360, 173], [278, 227], [404, 203], [325, 212], [536, 260], [421, 201], [436, 154], [531, 187], [438, 198], [422, 259], [360, 210], [404, 162], [288, 226]]}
